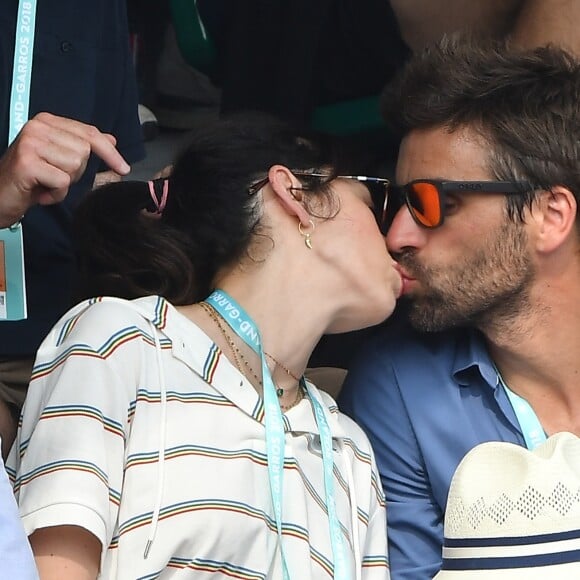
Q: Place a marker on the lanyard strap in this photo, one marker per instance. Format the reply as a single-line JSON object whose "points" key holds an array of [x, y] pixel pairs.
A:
{"points": [[530, 425], [22, 70], [246, 329], [13, 294]]}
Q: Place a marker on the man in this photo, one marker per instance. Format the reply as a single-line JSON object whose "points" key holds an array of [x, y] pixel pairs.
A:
{"points": [[82, 69], [50, 154], [486, 231]]}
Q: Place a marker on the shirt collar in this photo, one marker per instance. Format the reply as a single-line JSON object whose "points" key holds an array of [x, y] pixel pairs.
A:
{"points": [[226, 379], [471, 357]]}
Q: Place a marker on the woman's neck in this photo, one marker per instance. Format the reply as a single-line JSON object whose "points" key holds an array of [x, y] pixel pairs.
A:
{"points": [[288, 328]]}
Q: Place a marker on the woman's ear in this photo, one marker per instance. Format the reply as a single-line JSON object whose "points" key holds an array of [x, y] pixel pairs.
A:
{"points": [[556, 217], [283, 183]]}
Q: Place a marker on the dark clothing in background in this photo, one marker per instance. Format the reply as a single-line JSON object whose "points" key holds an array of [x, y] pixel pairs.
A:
{"points": [[82, 69], [288, 56]]}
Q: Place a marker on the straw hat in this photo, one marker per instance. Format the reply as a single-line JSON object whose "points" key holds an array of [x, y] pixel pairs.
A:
{"points": [[515, 514]]}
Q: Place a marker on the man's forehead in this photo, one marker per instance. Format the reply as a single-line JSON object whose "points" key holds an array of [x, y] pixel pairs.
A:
{"points": [[441, 153]]}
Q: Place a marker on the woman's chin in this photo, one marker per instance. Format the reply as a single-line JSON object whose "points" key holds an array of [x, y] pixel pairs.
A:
{"points": [[363, 320]]}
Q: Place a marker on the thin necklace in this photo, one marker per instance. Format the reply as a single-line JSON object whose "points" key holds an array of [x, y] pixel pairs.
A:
{"points": [[288, 371], [238, 355], [299, 397], [235, 350]]}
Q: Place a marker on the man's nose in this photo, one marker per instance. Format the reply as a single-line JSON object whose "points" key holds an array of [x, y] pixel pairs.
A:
{"points": [[404, 232]]}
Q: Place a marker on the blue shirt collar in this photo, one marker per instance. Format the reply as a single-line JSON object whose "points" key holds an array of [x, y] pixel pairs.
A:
{"points": [[471, 357]]}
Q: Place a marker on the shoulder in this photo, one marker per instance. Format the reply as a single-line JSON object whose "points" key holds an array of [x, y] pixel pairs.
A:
{"points": [[410, 358], [401, 343], [404, 380], [100, 319]]}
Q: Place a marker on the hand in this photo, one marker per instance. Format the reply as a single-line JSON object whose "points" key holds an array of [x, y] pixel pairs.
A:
{"points": [[48, 155]]}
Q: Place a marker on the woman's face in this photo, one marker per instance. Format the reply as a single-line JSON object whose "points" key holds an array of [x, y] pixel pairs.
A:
{"points": [[363, 274]]}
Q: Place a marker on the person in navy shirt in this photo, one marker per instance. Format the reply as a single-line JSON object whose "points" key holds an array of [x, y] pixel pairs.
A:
{"points": [[485, 229], [82, 70]]}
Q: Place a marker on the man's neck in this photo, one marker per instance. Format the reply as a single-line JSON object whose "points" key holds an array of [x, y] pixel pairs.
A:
{"points": [[538, 357]]}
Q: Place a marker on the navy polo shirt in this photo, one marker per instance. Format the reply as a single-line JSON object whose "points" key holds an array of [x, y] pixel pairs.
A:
{"points": [[82, 69], [424, 400]]}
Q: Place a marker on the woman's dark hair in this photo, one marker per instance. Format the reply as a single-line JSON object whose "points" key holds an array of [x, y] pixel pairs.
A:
{"points": [[125, 250], [525, 103]]}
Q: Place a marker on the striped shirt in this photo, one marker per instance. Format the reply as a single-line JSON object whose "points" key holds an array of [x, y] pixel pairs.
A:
{"points": [[96, 421]]}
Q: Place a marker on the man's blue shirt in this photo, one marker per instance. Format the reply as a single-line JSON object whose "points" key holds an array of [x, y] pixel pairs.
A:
{"points": [[424, 400]]}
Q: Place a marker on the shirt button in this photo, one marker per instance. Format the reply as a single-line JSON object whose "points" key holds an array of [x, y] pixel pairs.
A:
{"points": [[66, 46]]}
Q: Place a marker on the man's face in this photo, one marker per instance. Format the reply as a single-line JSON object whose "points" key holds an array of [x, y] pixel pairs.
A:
{"points": [[475, 269]]}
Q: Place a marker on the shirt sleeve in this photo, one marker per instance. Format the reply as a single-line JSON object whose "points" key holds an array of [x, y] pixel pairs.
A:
{"points": [[71, 442], [372, 397]]}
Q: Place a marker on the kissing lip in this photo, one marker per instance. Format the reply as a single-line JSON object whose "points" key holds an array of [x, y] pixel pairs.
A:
{"points": [[403, 273], [406, 279]]}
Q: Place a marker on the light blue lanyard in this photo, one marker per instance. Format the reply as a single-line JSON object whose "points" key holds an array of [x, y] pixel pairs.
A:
{"points": [[245, 328], [22, 72], [530, 425], [13, 299]]}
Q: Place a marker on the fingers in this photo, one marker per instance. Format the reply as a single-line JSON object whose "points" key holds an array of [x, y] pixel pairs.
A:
{"points": [[49, 154], [88, 139]]}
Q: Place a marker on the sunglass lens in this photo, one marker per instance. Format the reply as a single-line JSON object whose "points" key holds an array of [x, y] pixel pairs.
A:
{"points": [[423, 200]]}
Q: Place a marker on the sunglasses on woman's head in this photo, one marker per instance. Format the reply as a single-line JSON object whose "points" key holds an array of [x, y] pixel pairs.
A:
{"points": [[425, 198], [378, 188]]}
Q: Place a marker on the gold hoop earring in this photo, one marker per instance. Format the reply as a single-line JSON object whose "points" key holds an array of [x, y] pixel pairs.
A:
{"points": [[307, 235]]}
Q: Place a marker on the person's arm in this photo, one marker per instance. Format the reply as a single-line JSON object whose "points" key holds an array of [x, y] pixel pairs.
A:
{"points": [[69, 455], [549, 21], [66, 553], [48, 155], [371, 396], [423, 22], [528, 22]]}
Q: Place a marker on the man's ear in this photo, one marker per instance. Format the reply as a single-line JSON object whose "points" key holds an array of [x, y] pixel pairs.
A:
{"points": [[282, 182], [556, 218]]}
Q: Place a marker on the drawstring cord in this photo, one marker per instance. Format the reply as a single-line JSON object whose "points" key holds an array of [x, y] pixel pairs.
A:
{"points": [[161, 450]]}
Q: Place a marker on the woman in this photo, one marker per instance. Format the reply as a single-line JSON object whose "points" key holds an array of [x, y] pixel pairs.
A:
{"points": [[173, 435]]}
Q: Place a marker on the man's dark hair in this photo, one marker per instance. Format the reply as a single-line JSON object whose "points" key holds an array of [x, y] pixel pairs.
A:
{"points": [[525, 104]]}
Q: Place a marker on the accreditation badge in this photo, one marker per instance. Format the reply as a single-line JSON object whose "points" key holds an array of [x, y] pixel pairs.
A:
{"points": [[12, 284]]}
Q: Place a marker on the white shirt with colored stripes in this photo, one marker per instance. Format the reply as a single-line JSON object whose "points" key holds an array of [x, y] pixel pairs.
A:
{"points": [[182, 468]]}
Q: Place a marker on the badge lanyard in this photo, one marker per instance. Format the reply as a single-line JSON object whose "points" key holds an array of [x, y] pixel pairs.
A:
{"points": [[530, 425], [12, 284], [245, 328], [22, 71]]}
